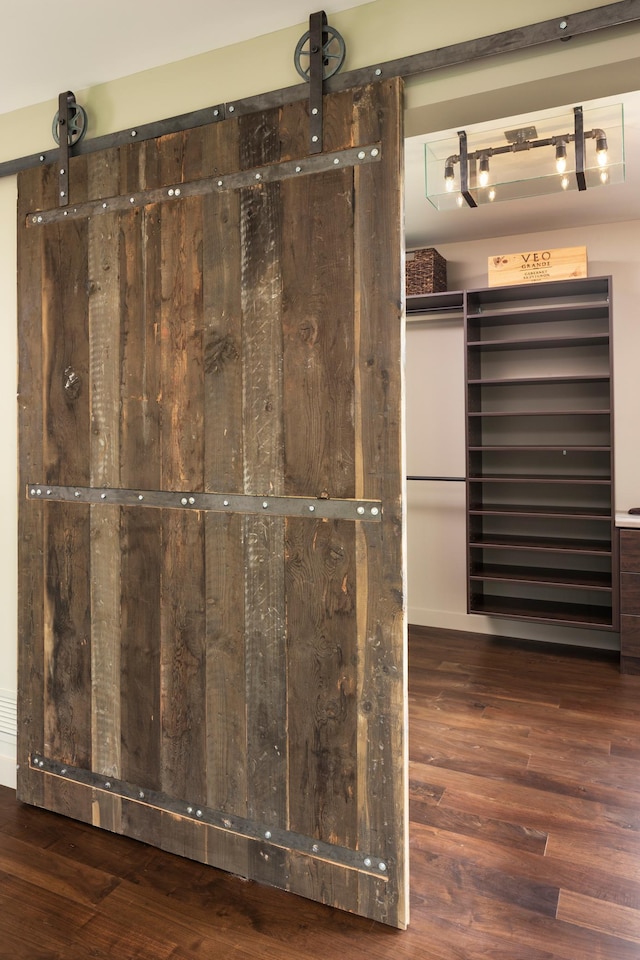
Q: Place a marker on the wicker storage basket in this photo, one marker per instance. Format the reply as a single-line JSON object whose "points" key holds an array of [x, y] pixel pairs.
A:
{"points": [[426, 271]]}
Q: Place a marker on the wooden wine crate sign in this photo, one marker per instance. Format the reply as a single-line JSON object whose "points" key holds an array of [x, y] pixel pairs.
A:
{"points": [[537, 266]]}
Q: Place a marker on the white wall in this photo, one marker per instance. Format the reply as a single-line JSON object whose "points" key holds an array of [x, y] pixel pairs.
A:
{"points": [[435, 421], [376, 32]]}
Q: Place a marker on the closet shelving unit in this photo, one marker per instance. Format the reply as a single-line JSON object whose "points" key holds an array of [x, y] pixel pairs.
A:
{"points": [[540, 515]]}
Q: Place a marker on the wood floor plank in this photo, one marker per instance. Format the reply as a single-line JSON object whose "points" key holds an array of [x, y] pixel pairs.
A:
{"points": [[465, 824], [574, 724], [513, 801], [34, 920], [622, 922], [595, 855], [601, 883], [85, 885]]}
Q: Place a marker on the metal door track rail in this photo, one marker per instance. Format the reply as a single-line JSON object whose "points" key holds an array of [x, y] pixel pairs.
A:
{"points": [[319, 509], [469, 51], [229, 823], [271, 173]]}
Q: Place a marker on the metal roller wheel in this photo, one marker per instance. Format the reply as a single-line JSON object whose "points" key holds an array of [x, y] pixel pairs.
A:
{"points": [[77, 125], [333, 53]]}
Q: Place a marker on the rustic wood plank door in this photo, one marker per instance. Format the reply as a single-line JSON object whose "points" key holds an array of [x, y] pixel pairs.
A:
{"points": [[212, 628]]}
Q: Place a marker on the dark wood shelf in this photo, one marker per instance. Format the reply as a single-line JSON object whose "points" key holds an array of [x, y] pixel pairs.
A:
{"points": [[574, 479], [573, 293], [540, 343], [527, 510], [548, 544], [526, 381], [569, 312], [587, 579], [448, 301], [587, 615], [540, 413], [555, 447]]}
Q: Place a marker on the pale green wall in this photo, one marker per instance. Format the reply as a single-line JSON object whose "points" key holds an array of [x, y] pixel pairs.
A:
{"points": [[376, 32]]}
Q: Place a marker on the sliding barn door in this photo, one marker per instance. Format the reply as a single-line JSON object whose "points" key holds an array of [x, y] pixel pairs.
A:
{"points": [[212, 636]]}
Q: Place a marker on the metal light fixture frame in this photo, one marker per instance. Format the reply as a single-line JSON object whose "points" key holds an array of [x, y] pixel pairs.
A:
{"points": [[517, 145]]}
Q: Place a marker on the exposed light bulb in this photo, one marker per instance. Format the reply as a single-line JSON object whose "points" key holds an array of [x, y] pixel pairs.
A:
{"points": [[448, 177], [602, 149], [483, 177], [564, 183], [561, 156]]}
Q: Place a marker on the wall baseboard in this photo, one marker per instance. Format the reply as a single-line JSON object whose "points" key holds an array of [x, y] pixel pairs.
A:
{"points": [[8, 731]]}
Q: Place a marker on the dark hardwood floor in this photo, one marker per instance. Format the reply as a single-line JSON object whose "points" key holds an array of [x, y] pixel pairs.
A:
{"points": [[525, 837]]}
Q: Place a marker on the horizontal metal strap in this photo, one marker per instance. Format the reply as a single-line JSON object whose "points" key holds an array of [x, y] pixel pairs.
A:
{"points": [[318, 509], [229, 823], [271, 173]]}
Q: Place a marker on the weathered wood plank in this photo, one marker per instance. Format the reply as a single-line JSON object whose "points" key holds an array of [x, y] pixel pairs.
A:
{"points": [[265, 628], [104, 372], [223, 470], [140, 457], [382, 736], [36, 188], [318, 400], [67, 431], [182, 600]]}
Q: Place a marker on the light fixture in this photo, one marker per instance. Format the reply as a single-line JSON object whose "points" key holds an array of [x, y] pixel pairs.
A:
{"points": [[586, 147]]}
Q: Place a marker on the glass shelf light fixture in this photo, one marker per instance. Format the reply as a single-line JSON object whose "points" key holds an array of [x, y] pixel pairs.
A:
{"points": [[577, 149]]}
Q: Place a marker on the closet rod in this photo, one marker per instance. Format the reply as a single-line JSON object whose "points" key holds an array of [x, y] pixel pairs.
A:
{"points": [[455, 479]]}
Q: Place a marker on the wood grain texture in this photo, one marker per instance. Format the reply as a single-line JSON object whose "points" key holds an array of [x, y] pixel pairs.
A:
{"points": [[36, 189], [103, 264], [227, 786], [319, 454], [66, 429], [484, 884], [264, 611], [379, 445], [140, 465], [182, 598]]}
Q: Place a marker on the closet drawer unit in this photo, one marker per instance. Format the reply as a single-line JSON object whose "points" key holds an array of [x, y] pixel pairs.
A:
{"points": [[630, 550], [630, 639], [630, 601], [630, 593]]}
